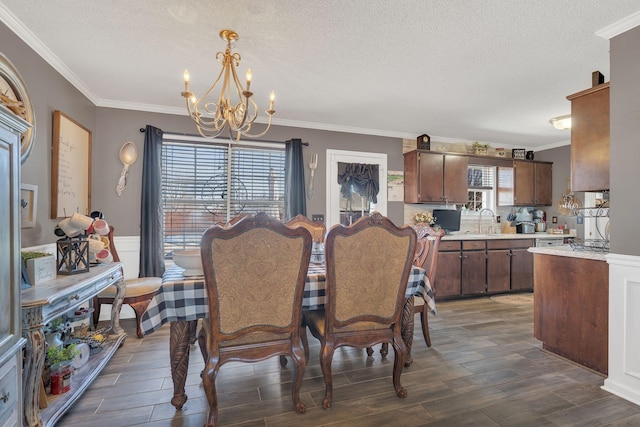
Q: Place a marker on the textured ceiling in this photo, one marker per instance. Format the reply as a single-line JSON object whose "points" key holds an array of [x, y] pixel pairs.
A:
{"points": [[486, 70]]}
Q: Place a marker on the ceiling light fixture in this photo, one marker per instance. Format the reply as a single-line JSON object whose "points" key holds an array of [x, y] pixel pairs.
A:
{"points": [[234, 107], [561, 122]]}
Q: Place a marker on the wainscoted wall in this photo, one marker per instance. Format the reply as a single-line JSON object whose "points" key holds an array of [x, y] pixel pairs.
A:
{"points": [[624, 327]]}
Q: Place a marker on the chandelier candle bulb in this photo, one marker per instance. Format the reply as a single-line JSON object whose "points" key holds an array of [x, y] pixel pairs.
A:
{"points": [[249, 77], [272, 99]]}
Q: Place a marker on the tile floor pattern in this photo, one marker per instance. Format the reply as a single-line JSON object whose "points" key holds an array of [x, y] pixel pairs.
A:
{"points": [[484, 369]]}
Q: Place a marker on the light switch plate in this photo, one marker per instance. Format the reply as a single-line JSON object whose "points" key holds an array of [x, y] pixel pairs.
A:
{"points": [[317, 217]]}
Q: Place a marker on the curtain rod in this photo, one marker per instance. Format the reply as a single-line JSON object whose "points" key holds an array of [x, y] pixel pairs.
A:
{"points": [[256, 140]]}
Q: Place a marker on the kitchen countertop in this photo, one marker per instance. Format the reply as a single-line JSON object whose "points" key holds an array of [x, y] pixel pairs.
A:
{"points": [[498, 236], [567, 251]]}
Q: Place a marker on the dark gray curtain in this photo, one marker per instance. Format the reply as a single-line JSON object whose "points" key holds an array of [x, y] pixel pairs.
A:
{"points": [[294, 189], [151, 246], [363, 178]]}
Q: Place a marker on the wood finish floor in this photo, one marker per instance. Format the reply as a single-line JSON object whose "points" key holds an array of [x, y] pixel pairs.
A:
{"points": [[484, 369]]}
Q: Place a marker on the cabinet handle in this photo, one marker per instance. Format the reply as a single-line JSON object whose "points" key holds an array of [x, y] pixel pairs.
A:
{"points": [[5, 397], [75, 297]]}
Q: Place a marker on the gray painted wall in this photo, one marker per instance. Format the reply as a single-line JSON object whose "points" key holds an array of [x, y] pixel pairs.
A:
{"points": [[111, 128], [48, 91], [625, 146]]}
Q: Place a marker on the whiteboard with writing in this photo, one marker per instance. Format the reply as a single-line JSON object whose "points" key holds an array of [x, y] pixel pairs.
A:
{"points": [[71, 167]]}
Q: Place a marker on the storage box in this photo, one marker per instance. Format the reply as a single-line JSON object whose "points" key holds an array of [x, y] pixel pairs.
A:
{"points": [[41, 269]]}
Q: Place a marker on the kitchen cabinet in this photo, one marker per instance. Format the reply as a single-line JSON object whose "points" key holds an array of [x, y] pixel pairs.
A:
{"points": [[571, 308], [474, 267], [11, 341], [431, 177], [590, 139], [461, 269], [527, 183], [509, 265]]}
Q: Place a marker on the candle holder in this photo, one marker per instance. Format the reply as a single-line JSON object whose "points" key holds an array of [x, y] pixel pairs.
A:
{"points": [[73, 255]]}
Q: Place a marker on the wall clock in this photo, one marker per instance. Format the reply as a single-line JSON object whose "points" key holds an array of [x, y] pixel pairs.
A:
{"points": [[14, 95]]}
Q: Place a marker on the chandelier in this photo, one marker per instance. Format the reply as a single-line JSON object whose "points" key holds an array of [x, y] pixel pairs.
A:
{"points": [[233, 107]]}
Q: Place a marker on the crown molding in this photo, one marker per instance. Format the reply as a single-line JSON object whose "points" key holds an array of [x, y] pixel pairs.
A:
{"points": [[15, 25], [617, 28]]}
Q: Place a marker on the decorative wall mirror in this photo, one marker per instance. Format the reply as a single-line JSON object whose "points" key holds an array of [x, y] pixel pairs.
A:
{"points": [[14, 95]]}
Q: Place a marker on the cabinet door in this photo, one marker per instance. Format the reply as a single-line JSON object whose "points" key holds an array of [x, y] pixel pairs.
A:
{"points": [[590, 139], [543, 189], [498, 270], [431, 177], [448, 275], [521, 269], [474, 272], [506, 183], [523, 185], [455, 178]]}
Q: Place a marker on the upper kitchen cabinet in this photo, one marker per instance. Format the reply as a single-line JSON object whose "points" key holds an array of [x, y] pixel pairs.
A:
{"points": [[590, 139], [527, 183], [431, 177]]}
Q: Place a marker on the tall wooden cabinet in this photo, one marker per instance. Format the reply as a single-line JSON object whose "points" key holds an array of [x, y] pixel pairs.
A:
{"points": [[431, 177], [590, 139], [11, 342]]}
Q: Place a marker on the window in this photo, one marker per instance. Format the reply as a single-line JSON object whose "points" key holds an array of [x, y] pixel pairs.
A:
{"points": [[207, 182], [481, 183]]}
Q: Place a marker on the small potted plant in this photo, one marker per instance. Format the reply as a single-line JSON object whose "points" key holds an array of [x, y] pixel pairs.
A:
{"points": [[480, 149], [41, 266], [60, 359]]}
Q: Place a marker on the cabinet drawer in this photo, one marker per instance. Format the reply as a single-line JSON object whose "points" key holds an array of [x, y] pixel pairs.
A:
{"points": [[9, 386], [74, 298], [468, 245], [510, 244], [449, 245]]}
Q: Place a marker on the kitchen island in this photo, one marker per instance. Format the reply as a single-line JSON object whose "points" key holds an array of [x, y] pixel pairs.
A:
{"points": [[571, 304]]}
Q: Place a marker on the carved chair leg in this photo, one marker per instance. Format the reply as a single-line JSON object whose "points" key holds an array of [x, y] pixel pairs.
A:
{"points": [[96, 311], [398, 365], [139, 308], [326, 356], [425, 325]]}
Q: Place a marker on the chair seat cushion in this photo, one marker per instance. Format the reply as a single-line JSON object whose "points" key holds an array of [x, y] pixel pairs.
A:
{"points": [[418, 301], [135, 287], [316, 318]]}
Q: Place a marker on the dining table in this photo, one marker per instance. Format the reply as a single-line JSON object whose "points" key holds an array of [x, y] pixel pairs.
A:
{"points": [[182, 300]]}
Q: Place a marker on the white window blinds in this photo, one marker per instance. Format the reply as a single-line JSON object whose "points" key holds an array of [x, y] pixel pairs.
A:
{"points": [[205, 183]]}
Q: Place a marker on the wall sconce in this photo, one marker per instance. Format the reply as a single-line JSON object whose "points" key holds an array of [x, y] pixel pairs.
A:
{"points": [[128, 156], [561, 122]]}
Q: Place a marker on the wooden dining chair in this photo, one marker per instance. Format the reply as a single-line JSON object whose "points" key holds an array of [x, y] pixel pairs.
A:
{"points": [[426, 256], [317, 228], [368, 266], [138, 293], [252, 320]]}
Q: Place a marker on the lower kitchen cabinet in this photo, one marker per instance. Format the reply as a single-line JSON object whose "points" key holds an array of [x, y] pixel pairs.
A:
{"points": [[509, 265], [474, 267], [479, 267], [461, 269]]}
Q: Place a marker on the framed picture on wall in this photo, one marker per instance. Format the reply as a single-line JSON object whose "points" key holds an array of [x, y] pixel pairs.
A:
{"points": [[70, 168], [28, 205]]}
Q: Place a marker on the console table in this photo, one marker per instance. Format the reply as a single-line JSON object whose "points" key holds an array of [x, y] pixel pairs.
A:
{"points": [[43, 303]]}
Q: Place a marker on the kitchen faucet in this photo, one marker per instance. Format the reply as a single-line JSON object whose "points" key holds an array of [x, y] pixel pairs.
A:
{"points": [[493, 217]]}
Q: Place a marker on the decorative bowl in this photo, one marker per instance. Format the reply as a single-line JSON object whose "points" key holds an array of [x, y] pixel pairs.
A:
{"points": [[189, 260]]}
